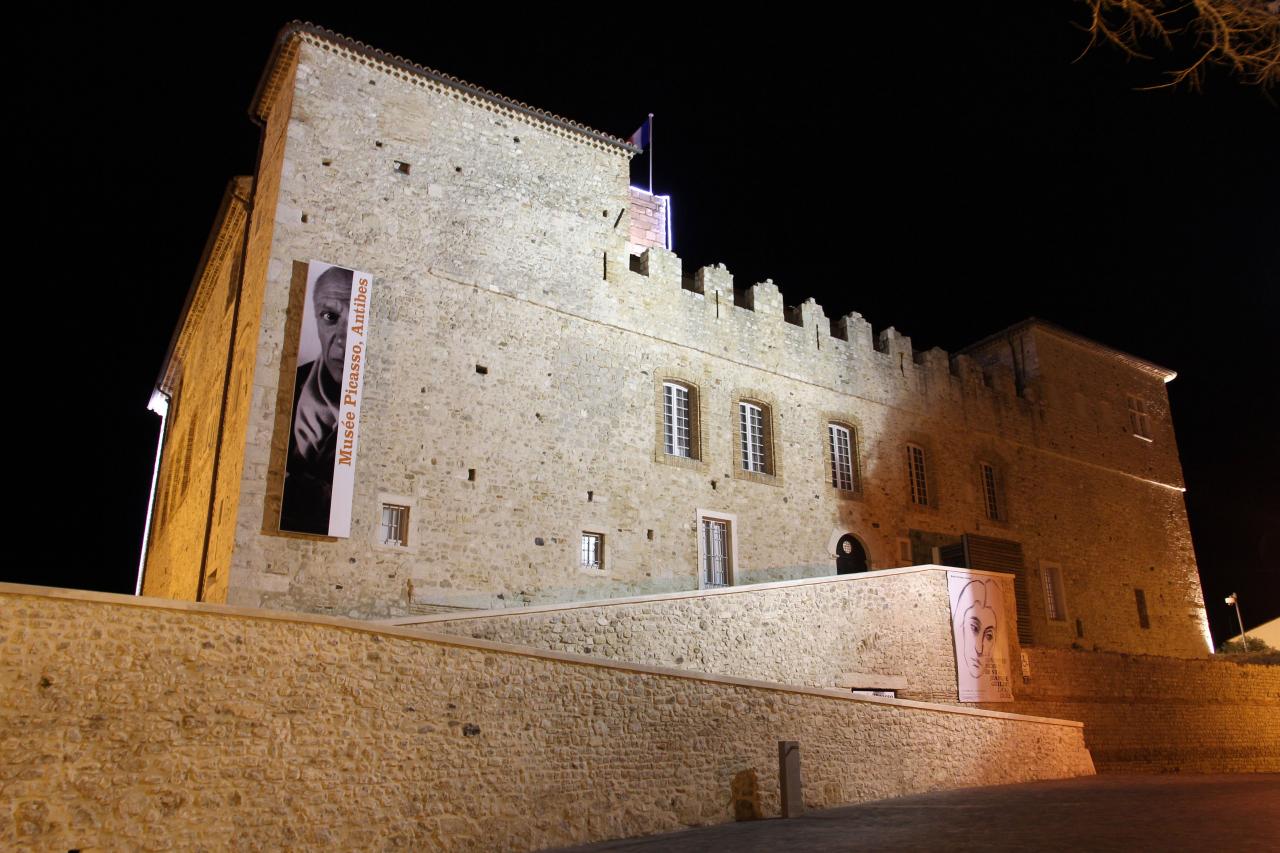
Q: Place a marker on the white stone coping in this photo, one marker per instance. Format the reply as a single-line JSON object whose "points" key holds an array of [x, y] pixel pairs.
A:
{"points": [[871, 681], [676, 596], [23, 590]]}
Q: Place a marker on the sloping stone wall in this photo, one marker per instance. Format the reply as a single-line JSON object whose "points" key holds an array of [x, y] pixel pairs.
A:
{"points": [[810, 632], [1141, 713], [139, 723]]}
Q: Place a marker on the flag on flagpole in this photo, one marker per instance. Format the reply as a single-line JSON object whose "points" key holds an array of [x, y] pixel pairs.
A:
{"points": [[643, 135]]}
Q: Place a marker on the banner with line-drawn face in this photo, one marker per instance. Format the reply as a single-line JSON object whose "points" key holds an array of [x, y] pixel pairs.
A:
{"points": [[324, 429], [979, 620]]}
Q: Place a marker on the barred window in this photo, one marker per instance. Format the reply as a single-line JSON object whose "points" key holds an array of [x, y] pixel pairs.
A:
{"points": [[593, 551], [916, 476], [395, 525], [1139, 423], [715, 553], [842, 446], [991, 501], [751, 419], [1054, 603], [675, 420]]}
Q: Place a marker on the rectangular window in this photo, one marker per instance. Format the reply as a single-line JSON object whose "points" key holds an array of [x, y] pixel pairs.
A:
{"points": [[1139, 423], [715, 553], [593, 551], [751, 435], [1054, 601], [989, 498], [1140, 597], [675, 419], [395, 525], [843, 469], [916, 475]]}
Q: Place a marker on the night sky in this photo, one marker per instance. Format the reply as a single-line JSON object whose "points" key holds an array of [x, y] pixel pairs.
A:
{"points": [[947, 175]]}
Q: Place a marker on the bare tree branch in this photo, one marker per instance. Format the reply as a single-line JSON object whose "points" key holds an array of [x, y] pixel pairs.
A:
{"points": [[1242, 35]]}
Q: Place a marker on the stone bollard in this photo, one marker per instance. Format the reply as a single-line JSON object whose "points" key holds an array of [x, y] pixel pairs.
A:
{"points": [[789, 778]]}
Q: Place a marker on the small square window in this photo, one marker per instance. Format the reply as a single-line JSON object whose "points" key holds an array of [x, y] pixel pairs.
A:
{"points": [[1054, 599], [717, 549], [842, 449], [676, 433], [917, 479], [1139, 422], [678, 439], [1140, 598], [754, 447], [395, 525], [991, 501], [751, 437], [592, 552]]}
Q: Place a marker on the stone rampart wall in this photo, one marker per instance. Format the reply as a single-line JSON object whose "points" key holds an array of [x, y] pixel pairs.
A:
{"points": [[1156, 714], [1141, 713], [811, 632], [140, 723]]}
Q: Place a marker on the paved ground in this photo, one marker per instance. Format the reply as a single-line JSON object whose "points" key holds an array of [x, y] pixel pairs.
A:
{"points": [[1239, 813]]}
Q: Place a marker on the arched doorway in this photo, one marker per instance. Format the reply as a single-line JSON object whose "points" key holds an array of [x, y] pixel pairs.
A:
{"points": [[851, 557]]}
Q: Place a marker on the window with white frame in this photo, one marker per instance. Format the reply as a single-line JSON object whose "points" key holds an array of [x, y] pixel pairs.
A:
{"points": [[990, 492], [676, 433], [1139, 423], [395, 525], [917, 478], [715, 552], [842, 445], [1055, 606], [592, 552], [751, 438]]}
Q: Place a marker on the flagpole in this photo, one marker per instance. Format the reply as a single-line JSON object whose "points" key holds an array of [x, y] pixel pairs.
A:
{"points": [[650, 153]]}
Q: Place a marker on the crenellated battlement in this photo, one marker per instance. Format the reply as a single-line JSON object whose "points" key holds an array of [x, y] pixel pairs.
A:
{"points": [[754, 323]]}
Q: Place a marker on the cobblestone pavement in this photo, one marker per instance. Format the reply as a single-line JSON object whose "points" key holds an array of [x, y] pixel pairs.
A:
{"points": [[1237, 813]]}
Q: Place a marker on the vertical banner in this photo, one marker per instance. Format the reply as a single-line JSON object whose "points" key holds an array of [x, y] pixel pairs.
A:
{"points": [[980, 626], [319, 478]]}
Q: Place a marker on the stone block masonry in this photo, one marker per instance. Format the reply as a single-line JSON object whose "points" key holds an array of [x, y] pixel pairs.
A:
{"points": [[810, 632], [146, 724], [1160, 715], [1141, 713]]}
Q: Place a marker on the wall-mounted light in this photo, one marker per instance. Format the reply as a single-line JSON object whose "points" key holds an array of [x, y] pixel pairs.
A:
{"points": [[1234, 601]]}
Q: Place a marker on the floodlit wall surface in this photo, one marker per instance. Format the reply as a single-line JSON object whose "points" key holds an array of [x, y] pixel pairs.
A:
{"points": [[194, 519], [1141, 713], [142, 723], [1126, 507], [809, 632], [513, 385], [181, 513], [1163, 715]]}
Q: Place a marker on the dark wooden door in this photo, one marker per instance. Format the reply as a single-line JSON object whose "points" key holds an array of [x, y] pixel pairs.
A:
{"points": [[850, 556]]}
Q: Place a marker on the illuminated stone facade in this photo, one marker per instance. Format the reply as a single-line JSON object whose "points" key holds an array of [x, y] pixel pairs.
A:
{"points": [[175, 726], [517, 367]]}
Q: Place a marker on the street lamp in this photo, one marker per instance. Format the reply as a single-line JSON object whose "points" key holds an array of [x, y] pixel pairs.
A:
{"points": [[1234, 600]]}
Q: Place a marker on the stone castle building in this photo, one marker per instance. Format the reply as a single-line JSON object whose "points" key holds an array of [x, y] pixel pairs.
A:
{"points": [[554, 410], [617, 541]]}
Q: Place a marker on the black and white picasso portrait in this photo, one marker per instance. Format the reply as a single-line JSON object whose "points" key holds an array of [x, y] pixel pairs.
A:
{"points": [[322, 390]]}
